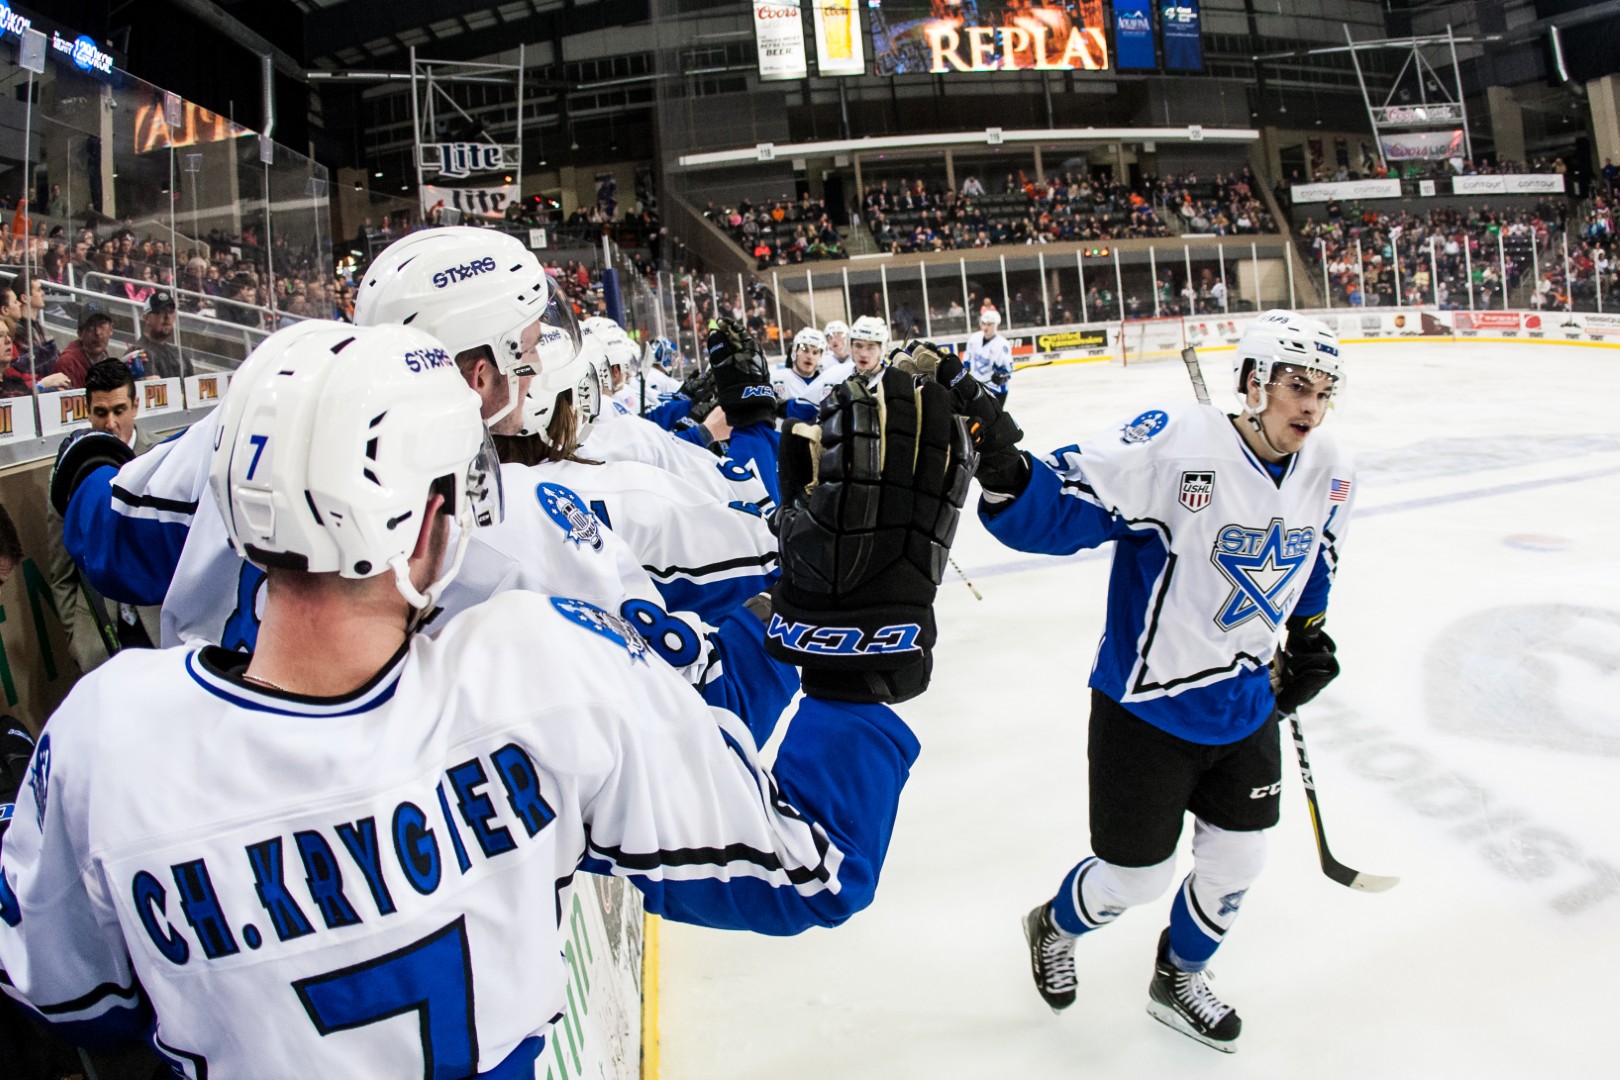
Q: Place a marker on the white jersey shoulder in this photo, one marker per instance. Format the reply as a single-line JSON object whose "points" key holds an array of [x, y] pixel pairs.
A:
{"points": [[270, 870], [622, 437]]}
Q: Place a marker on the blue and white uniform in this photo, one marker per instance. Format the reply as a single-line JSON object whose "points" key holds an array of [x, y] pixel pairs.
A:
{"points": [[791, 386], [215, 854], [704, 556], [154, 530], [990, 362], [1212, 555], [619, 435]]}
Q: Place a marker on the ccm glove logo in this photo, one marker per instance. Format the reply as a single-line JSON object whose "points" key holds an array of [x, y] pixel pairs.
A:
{"points": [[843, 640]]}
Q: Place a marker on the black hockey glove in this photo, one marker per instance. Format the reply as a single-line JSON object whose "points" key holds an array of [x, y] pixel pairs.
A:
{"points": [[742, 379], [870, 501], [81, 454], [1304, 665], [1003, 468], [16, 748]]}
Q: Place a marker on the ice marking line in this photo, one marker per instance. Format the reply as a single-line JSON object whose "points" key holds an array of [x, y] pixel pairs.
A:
{"points": [[1037, 562]]}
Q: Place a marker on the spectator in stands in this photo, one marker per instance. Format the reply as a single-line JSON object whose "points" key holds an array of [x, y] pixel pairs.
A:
{"points": [[16, 380], [89, 348], [11, 551], [159, 354], [96, 628]]}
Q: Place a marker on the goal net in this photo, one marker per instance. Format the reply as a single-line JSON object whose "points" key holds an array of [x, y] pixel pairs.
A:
{"points": [[1143, 341]]}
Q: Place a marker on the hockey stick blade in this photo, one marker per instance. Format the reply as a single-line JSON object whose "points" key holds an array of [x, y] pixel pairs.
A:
{"points": [[1189, 356], [1333, 868]]}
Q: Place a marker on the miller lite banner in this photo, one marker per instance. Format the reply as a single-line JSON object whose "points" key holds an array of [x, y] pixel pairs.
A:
{"points": [[779, 34], [17, 419], [63, 411], [489, 203], [456, 160], [994, 35]]}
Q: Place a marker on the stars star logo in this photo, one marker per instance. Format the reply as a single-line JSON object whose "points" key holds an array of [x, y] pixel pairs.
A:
{"points": [[1263, 566]]}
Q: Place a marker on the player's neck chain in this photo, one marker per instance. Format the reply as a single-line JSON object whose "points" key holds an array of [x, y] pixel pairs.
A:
{"points": [[265, 682]]}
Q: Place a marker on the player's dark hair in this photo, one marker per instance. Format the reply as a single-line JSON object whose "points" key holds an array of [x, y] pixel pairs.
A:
{"points": [[106, 376], [10, 542], [468, 359]]}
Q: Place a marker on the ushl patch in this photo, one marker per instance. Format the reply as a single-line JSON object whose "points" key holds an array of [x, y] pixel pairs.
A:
{"points": [[1197, 488], [1338, 490]]}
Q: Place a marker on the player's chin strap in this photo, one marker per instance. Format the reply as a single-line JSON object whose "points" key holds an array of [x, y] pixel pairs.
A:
{"points": [[1260, 429], [423, 604]]}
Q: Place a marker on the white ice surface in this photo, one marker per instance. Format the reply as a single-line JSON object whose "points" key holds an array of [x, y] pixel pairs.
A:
{"points": [[1472, 746]]}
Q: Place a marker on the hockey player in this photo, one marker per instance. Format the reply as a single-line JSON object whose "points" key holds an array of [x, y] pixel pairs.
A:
{"points": [[866, 340], [1227, 531], [801, 383], [989, 355], [705, 555], [154, 532], [284, 852], [837, 334]]}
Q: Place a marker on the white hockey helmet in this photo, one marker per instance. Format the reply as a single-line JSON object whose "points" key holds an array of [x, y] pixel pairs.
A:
{"points": [[836, 327], [1285, 337], [989, 317], [471, 287], [869, 328], [617, 348], [811, 337], [584, 378], [332, 439]]}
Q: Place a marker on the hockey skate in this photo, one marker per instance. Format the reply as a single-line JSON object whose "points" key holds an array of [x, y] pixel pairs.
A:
{"points": [[1051, 958], [1184, 1001]]}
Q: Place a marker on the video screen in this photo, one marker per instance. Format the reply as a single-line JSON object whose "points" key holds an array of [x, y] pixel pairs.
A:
{"points": [[980, 36]]}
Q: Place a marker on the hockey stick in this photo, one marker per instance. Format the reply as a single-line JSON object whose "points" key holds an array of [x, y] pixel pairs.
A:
{"points": [[1189, 356], [976, 594], [1332, 867]]}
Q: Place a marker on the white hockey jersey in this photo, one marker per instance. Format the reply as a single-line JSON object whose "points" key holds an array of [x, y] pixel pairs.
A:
{"points": [[549, 542], [372, 885], [791, 386], [660, 388], [988, 359], [1212, 556], [705, 556], [619, 435]]}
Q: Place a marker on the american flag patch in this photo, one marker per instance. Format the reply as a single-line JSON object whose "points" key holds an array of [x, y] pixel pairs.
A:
{"points": [[1338, 490]]}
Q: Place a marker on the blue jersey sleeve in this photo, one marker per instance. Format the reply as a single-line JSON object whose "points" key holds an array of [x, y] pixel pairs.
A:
{"points": [[841, 765], [1051, 517], [751, 684], [125, 557], [670, 412], [758, 444]]}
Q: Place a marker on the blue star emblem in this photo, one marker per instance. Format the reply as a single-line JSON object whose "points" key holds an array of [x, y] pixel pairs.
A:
{"points": [[1263, 567]]}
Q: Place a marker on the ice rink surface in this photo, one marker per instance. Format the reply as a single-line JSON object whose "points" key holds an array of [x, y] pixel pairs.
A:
{"points": [[1471, 746]]}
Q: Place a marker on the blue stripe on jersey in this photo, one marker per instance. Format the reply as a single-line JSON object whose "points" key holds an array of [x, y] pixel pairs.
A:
{"points": [[127, 1018], [840, 766], [710, 599], [1313, 599], [125, 558], [752, 685], [230, 692], [670, 413]]}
